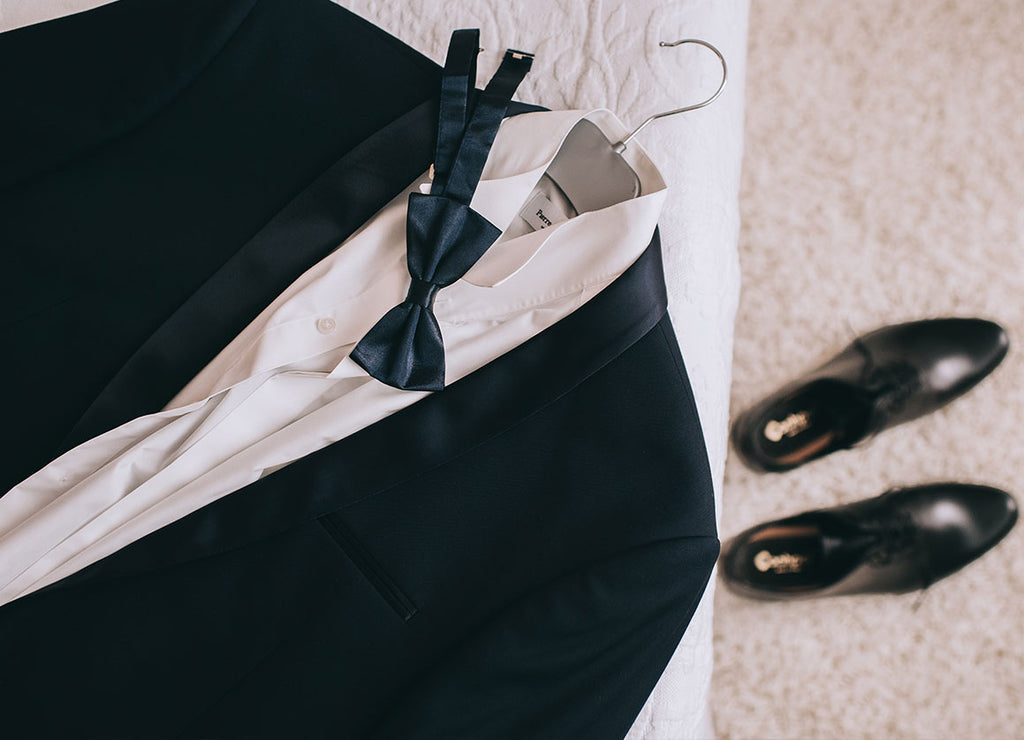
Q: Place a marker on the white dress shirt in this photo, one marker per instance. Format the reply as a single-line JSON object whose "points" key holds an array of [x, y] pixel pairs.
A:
{"points": [[285, 387]]}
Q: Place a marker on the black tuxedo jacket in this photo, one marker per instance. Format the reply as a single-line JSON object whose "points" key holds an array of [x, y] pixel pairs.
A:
{"points": [[514, 556]]}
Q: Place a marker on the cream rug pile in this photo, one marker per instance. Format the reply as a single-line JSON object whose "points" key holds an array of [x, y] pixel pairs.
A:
{"points": [[883, 181]]}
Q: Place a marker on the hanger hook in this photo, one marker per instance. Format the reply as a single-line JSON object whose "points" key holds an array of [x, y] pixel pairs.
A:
{"points": [[725, 76]]}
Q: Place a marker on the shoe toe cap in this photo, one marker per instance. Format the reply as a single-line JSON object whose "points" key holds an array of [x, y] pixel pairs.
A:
{"points": [[995, 513], [965, 521], [959, 352]]}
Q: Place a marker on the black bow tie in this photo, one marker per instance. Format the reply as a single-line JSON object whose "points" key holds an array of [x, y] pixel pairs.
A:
{"points": [[444, 237]]}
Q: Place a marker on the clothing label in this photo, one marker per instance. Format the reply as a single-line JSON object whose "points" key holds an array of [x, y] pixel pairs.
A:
{"points": [[540, 212]]}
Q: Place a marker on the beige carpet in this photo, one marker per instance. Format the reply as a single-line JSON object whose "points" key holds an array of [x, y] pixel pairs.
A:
{"points": [[883, 181]]}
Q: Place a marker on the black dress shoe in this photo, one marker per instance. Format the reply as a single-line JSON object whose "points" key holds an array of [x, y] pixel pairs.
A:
{"points": [[904, 540], [890, 376]]}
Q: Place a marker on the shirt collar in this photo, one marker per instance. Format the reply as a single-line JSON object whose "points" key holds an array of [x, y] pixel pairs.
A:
{"points": [[523, 150]]}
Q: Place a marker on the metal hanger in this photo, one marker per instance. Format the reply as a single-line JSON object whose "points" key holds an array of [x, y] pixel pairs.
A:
{"points": [[590, 172], [620, 146]]}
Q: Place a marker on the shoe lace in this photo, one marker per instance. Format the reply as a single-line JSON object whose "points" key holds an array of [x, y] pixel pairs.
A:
{"points": [[889, 385], [896, 536], [899, 537]]}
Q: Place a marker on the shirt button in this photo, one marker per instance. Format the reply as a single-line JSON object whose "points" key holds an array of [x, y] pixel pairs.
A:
{"points": [[325, 325]]}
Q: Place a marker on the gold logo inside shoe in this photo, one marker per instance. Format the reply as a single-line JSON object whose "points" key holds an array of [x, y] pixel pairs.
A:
{"points": [[784, 562], [788, 427]]}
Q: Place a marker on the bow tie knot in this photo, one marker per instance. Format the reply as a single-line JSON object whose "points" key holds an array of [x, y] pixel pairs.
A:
{"points": [[422, 293]]}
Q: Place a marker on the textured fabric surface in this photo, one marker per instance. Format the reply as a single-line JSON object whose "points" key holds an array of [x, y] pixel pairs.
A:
{"points": [[607, 54], [882, 183]]}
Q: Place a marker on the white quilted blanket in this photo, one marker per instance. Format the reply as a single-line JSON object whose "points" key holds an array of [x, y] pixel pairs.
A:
{"points": [[590, 54]]}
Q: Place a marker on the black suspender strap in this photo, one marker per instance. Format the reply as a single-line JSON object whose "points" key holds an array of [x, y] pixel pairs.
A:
{"points": [[475, 141], [457, 83]]}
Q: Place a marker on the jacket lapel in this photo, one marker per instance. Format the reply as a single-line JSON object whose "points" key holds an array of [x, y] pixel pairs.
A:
{"points": [[315, 222]]}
